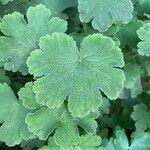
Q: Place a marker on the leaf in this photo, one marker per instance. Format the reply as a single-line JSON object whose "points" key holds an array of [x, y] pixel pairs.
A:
{"points": [[140, 142], [65, 70], [132, 84], [66, 133], [141, 117], [3, 77], [12, 117], [27, 96], [51, 145], [127, 34], [144, 35], [56, 6], [16, 46], [105, 12], [90, 142], [5, 1], [142, 7], [87, 142], [31, 144], [104, 109]]}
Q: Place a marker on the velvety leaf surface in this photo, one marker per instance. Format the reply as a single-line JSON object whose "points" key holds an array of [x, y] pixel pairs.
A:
{"points": [[87, 142], [16, 46], [12, 117], [66, 133], [141, 116], [65, 70], [144, 35], [27, 96], [140, 142], [104, 13]]}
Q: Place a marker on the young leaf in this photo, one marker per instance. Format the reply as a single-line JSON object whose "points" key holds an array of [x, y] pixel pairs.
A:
{"points": [[141, 116], [22, 37], [65, 70], [144, 35], [66, 133], [104, 13], [12, 117]]}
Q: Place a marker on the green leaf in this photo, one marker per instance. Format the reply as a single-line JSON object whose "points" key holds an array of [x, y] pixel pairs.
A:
{"points": [[127, 34], [104, 109], [140, 142], [132, 84], [144, 35], [142, 7], [51, 145], [31, 144], [105, 12], [12, 117], [87, 142], [141, 117], [3, 77], [65, 70], [90, 142], [5, 1], [22, 37], [66, 133], [27, 96], [56, 6]]}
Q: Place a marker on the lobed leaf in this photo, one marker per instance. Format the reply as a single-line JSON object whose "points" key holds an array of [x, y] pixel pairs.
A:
{"points": [[105, 12], [141, 117], [12, 117], [64, 70], [87, 142], [144, 35], [66, 133], [140, 142], [22, 37]]}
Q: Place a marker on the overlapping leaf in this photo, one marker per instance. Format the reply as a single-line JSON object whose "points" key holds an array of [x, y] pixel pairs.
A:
{"points": [[144, 35], [104, 13], [141, 116], [12, 117], [87, 142], [66, 133], [127, 34], [120, 142], [3, 77], [22, 37], [65, 70], [27, 96], [132, 85]]}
